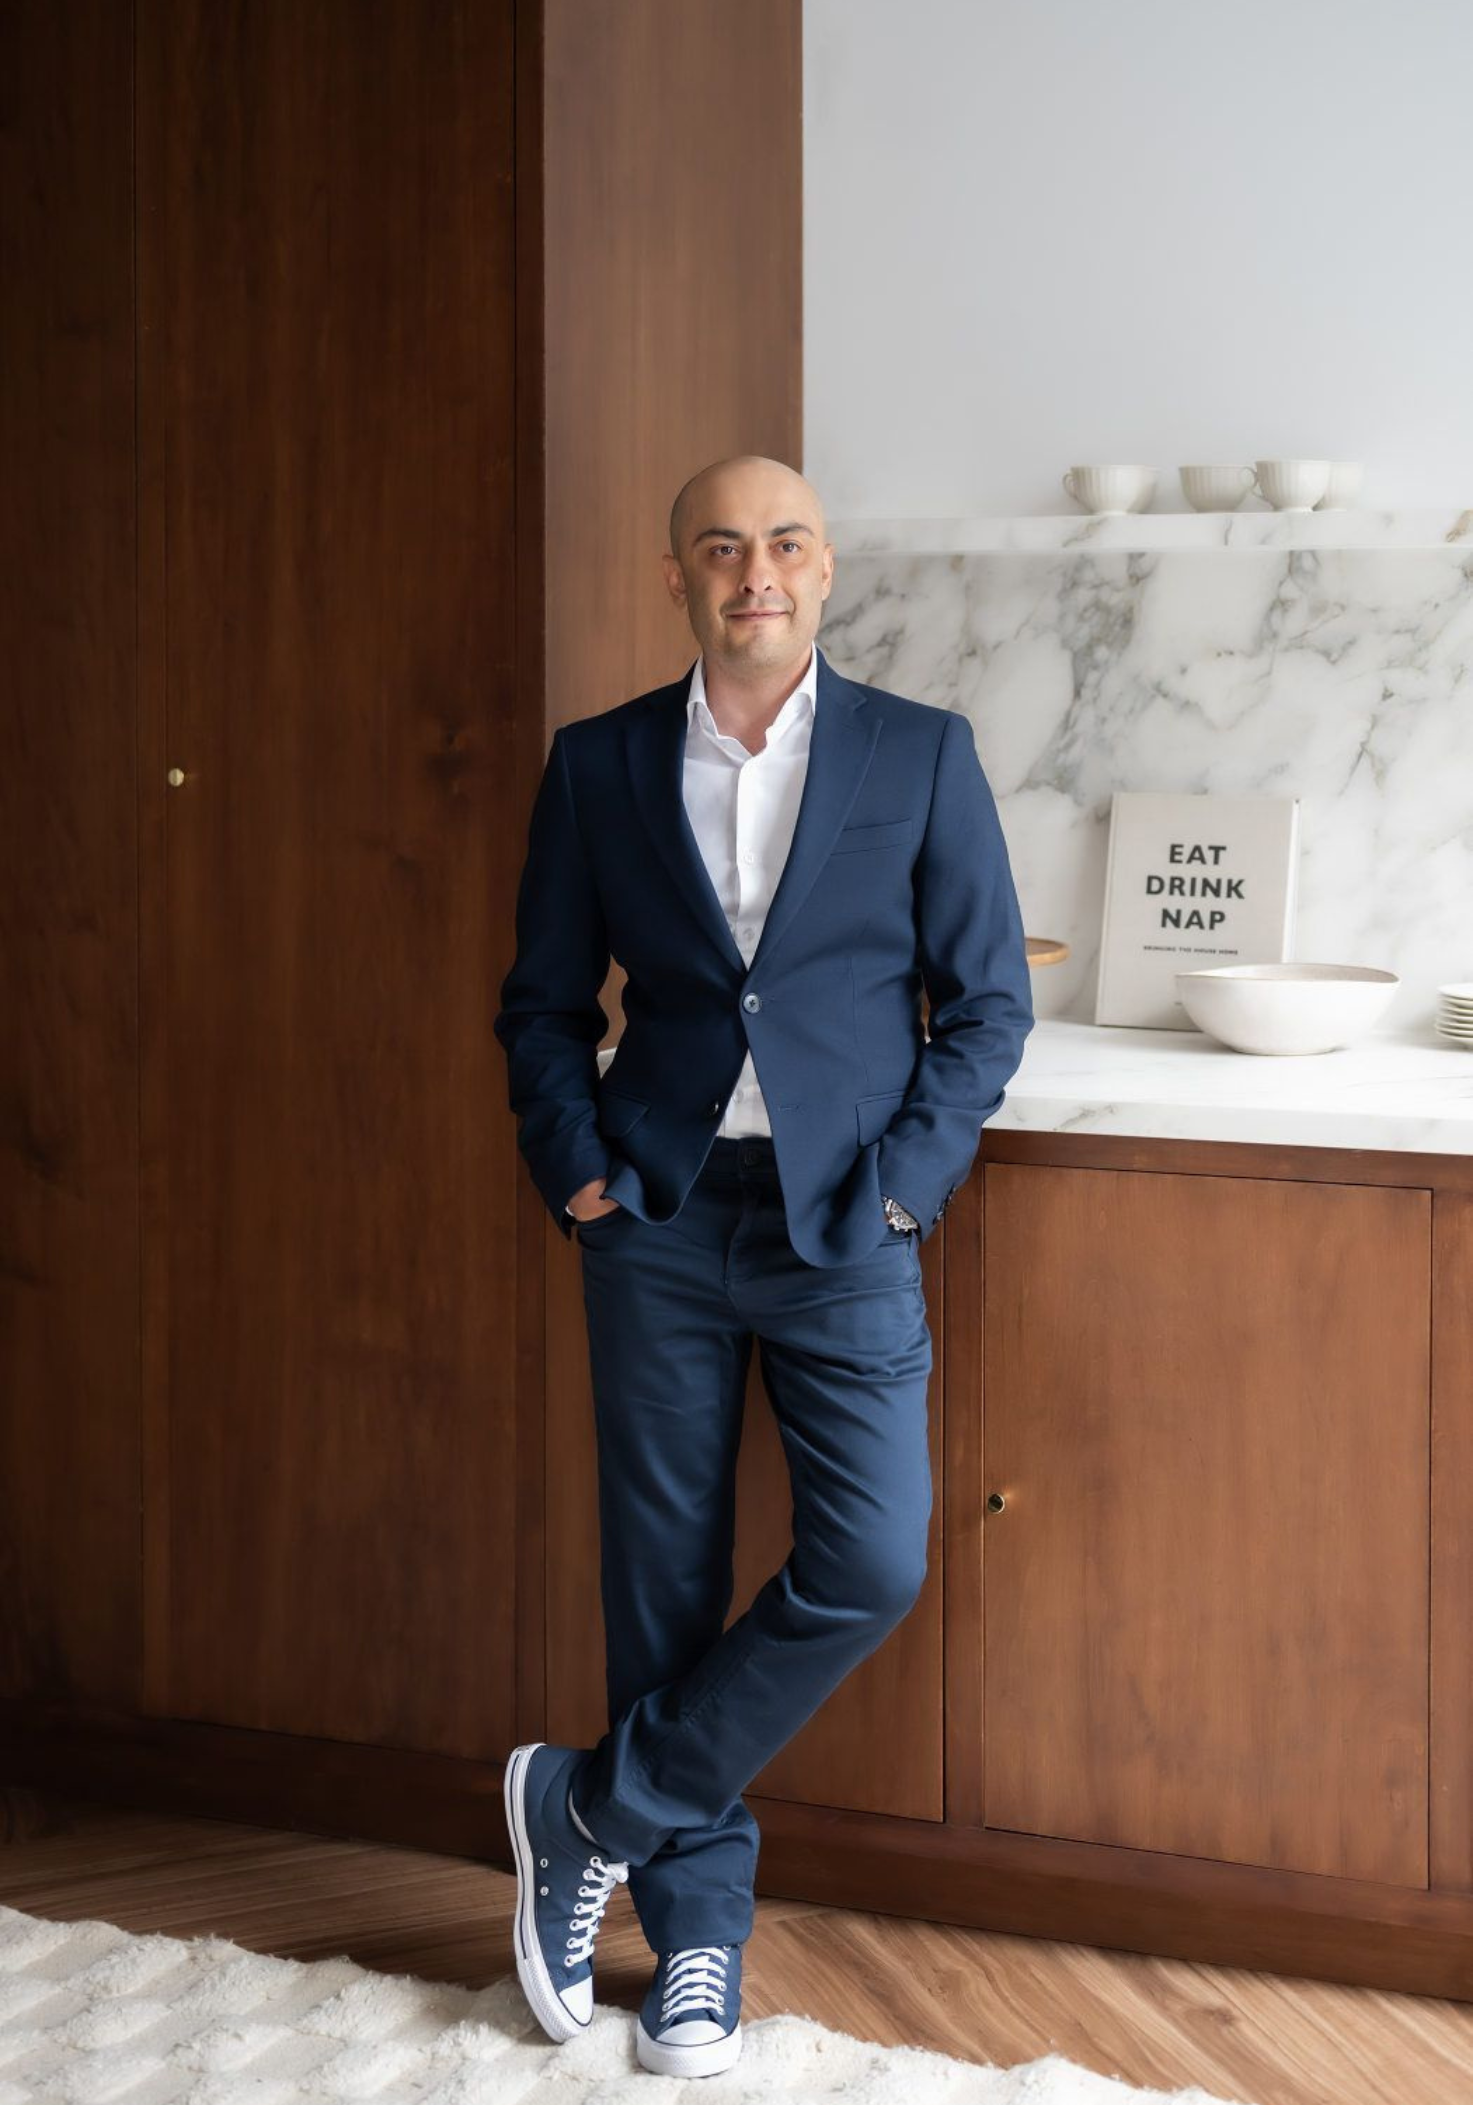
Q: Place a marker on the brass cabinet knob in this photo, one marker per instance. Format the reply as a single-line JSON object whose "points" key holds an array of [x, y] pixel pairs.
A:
{"points": [[995, 1502], [176, 776]]}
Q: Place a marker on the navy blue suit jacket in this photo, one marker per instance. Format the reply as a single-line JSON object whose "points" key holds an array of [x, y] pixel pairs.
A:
{"points": [[897, 876]]}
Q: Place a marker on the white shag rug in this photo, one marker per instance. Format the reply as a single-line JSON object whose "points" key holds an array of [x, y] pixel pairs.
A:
{"points": [[90, 2014]]}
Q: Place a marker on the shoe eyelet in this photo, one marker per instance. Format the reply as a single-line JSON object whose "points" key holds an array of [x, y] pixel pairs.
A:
{"points": [[543, 1891], [542, 1861]]}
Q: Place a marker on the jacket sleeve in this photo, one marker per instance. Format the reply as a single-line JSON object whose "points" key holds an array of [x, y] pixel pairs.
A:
{"points": [[551, 1021], [974, 961]]}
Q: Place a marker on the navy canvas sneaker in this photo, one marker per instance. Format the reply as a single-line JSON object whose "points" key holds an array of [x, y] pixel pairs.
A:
{"points": [[563, 1884], [689, 2024]]}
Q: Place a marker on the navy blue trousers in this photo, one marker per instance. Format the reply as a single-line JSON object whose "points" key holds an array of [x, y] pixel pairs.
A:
{"points": [[695, 1708]]}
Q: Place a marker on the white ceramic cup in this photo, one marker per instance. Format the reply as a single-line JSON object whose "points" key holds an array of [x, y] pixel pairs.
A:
{"points": [[1215, 489], [1344, 486], [1292, 485], [1111, 489]]}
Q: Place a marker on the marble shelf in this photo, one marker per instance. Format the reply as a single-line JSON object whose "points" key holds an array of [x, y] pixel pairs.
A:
{"points": [[1401, 1089], [1048, 533]]}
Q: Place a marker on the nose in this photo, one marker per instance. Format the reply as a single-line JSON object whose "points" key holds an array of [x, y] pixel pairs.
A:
{"points": [[757, 577]]}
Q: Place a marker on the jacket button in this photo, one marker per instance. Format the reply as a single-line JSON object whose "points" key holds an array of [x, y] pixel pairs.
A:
{"points": [[716, 1107], [751, 1002]]}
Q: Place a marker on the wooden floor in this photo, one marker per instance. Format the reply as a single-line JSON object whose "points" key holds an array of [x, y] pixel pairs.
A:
{"points": [[1159, 2023]]}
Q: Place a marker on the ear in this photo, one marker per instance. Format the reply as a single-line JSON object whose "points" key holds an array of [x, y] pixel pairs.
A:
{"points": [[674, 578]]}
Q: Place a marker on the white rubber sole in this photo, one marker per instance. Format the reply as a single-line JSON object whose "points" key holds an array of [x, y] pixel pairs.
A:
{"points": [[708, 2059], [547, 2006]]}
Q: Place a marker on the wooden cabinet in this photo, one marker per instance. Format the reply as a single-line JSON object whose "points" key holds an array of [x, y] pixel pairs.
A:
{"points": [[1209, 1554], [260, 1434], [350, 364]]}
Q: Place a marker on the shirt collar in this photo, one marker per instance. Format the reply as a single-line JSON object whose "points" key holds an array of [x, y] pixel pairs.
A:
{"points": [[804, 697]]}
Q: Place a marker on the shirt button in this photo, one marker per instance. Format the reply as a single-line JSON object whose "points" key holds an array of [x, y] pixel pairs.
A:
{"points": [[749, 855], [751, 1002], [749, 933]]}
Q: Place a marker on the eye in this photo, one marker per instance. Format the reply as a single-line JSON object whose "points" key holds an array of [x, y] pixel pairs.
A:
{"points": [[791, 544]]}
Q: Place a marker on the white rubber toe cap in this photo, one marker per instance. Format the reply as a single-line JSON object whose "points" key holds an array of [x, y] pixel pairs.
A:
{"points": [[577, 1999]]}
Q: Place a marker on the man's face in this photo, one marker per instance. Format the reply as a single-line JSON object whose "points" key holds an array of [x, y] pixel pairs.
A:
{"points": [[753, 569]]}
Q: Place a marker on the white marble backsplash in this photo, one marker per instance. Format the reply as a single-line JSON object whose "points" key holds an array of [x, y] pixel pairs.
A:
{"points": [[1341, 675]]}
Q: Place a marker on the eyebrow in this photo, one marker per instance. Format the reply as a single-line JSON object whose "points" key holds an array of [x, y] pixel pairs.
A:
{"points": [[734, 533]]}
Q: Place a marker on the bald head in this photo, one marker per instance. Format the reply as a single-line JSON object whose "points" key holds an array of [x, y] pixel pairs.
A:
{"points": [[796, 497], [750, 566]]}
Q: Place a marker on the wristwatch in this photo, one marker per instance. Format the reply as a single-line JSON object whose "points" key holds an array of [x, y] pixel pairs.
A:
{"points": [[897, 1216]]}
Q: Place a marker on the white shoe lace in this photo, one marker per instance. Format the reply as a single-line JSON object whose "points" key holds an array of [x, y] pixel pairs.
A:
{"points": [[599, 1881], [695, 1979]]}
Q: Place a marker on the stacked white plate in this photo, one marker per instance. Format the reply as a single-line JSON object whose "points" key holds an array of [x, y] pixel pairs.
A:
{"points": [[1455, 1012]]}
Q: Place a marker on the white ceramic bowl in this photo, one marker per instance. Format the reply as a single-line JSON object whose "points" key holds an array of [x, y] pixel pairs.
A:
{"points": [[1286, 1008]]}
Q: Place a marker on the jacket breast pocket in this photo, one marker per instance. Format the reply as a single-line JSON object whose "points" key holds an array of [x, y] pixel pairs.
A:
{"points": [[616, 1113], [888, 834], [874, 1113]]}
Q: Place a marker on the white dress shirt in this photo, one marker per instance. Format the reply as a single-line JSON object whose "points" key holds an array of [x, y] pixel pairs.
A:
{"points": [[742, 809]]}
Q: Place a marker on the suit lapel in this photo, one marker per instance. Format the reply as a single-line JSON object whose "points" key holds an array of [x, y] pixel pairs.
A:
{"points": [[842, 741]]}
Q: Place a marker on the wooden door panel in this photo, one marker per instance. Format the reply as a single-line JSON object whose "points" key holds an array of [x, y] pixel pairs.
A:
{"points": [[69, 910], [1206, 1610], [326, 235]]}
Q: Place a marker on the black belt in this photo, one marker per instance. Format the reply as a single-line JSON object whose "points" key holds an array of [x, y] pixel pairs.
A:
{"points": [[746, 1148]]}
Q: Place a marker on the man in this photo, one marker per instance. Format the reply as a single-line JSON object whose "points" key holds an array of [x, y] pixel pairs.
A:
{"points": [[780, 859]]}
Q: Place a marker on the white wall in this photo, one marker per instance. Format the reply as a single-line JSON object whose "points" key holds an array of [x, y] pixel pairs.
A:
{"points": [[1047, 231]]}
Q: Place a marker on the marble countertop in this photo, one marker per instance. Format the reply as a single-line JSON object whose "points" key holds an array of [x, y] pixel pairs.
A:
{"points": [[1405, 1090]]}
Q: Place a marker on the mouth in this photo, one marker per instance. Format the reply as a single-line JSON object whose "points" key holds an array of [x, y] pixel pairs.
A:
{"points": [[765, 614]]}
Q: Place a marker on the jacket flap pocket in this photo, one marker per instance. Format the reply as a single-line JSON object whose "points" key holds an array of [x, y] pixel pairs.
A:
{"points": [[616, 1114], [874, 1113], [885, 835]]}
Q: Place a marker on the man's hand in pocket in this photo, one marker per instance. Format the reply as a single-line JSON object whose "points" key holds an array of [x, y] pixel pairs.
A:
{"points": [[588, 1202]]}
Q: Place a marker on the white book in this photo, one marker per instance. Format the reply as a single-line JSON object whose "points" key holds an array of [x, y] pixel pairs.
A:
{"points": [[1191, 881]]}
